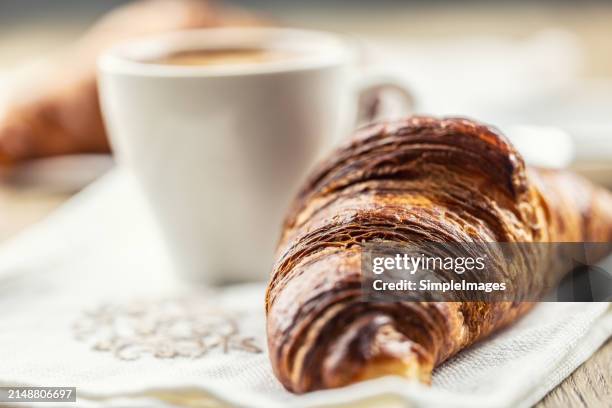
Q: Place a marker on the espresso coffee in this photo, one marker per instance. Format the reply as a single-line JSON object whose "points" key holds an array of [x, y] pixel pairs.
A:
{"points": [[232, 56]]}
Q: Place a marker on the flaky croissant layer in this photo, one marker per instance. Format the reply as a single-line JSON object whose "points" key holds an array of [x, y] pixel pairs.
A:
{"points": [[417, 180]]}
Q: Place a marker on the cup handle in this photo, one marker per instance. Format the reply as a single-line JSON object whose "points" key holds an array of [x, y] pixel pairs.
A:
{"points": [[382, 96]]}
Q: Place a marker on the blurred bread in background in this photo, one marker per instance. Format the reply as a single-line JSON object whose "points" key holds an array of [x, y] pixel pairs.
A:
{"points": [[55, 111]]}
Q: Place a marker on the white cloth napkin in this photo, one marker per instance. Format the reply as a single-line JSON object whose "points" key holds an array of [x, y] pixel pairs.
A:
{"points": [[90, 300]]}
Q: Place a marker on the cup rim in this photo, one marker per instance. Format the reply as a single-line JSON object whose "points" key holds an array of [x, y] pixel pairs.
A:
{"points": [[336, 49]]}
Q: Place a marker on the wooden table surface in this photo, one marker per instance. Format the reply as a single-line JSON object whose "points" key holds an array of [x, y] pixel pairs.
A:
{"points": [[589, 386]]}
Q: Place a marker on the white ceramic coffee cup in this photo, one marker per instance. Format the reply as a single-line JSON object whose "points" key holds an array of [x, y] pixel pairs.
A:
{"points": [[220, 150]]}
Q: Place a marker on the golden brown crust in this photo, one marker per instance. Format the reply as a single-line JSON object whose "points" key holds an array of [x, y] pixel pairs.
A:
{"points": [[420, 179], [58, 111]]}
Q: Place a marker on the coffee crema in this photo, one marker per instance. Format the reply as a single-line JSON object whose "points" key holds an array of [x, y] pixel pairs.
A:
{"points": [[223, 56]]}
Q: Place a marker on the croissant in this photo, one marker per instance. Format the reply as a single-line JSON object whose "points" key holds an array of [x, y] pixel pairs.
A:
{"points": [[414, 180], [57, 111]]}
